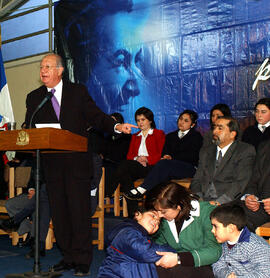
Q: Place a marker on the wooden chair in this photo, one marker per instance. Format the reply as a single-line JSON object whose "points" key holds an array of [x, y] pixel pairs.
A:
{"points": [[264, 231], [99, 214], [108, 206], [117, 199], [184, 182], [50, 239], [117, 208]]}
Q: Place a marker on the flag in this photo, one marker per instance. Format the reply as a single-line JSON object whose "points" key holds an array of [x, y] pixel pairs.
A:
{"points": [[6, 112]]}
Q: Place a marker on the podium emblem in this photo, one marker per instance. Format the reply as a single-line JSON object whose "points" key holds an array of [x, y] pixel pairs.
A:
{"points": [[22, 138]]}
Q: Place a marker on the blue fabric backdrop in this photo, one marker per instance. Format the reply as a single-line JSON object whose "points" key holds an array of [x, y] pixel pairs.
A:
{"points": [[167, 55]]}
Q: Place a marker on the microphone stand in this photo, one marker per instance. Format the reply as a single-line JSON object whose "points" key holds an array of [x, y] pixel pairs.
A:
{"points": [[36, 268]]}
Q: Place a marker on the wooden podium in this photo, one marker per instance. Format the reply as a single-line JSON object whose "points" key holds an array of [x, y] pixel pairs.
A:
{"points": [[42, 140]]}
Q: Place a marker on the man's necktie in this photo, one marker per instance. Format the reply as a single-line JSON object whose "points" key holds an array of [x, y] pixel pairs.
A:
{"points": [[181, 134], [263, 128], [219, 159], [55, 104]]}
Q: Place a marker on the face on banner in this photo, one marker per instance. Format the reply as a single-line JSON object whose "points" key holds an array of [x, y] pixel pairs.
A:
{"points": [[123, 75]]}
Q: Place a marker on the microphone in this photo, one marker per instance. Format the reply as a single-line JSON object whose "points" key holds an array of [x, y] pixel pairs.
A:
{"points": [[48, 96]]}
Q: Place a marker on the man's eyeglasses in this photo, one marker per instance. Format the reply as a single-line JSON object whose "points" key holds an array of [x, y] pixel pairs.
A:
{"points": [[48, 67]]}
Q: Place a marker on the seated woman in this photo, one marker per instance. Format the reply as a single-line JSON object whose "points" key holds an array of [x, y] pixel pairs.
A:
{"points": [[180, 155], [259, 132], [130, 252], [186, 227], [144, 151], [218, 110]]}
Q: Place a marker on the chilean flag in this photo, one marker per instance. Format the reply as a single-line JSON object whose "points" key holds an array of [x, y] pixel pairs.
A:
{"points": [[6, 112]]}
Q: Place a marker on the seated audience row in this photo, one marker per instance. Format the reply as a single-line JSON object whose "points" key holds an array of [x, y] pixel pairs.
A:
{"points": [[225, 164], [179, 158]]}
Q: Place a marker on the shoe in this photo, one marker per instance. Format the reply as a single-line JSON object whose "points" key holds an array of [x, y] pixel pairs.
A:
{"points": [[29, 241], [31, 253], [81, 270], [9, 225], [136, 197], [61, 267]]}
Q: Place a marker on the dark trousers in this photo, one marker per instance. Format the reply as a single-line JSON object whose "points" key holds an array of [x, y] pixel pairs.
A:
{"points": [[68, 187], [185, 272], [97, 173], [127, 172], [29, 210], [254, 219], [165, 170], [110, 169]]}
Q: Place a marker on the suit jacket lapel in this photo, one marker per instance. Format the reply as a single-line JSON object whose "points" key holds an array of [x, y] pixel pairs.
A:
{"points": [[226, 157], [64, 100], [48, 106], [211, 160]]}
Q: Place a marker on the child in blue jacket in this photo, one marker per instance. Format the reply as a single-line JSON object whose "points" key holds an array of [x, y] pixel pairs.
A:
{"points": [[130, 252]]}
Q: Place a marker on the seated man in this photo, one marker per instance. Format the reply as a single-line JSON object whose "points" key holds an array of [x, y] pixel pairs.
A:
{"points": [[224, 168], [21, 210], [257, 198]]}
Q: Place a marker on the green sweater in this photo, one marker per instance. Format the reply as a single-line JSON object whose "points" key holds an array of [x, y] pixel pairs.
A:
{"points": [[195, 235]]}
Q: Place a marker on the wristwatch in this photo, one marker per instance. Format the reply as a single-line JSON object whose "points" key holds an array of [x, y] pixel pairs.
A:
{"points": [[178, 259]]}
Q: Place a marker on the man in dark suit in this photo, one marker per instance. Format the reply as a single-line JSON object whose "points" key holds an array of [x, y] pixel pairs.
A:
{"points": [[224, 167], [258, 189], [68, 175]]}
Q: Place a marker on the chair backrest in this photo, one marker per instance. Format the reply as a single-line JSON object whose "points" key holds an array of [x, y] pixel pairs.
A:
{"points": [[22, 176], [18, 179]]}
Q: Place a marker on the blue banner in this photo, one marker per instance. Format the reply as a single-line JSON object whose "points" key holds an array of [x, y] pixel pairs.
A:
{"points": [[166, 55]]}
